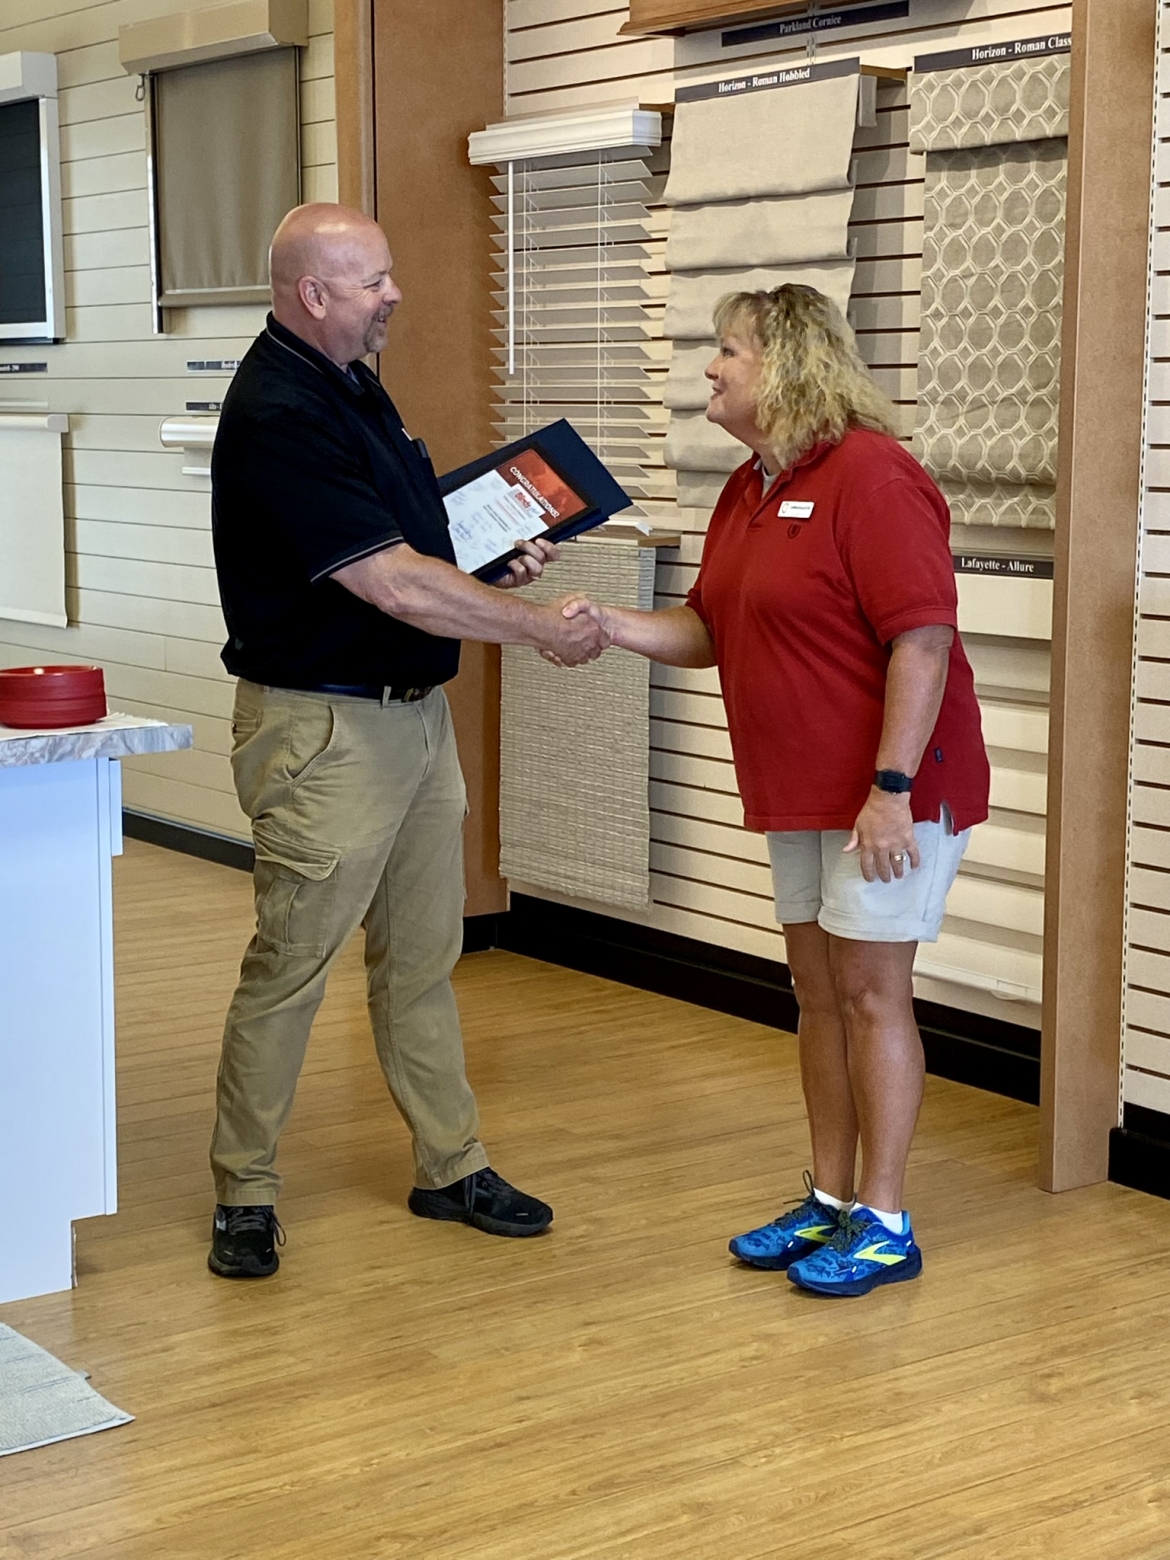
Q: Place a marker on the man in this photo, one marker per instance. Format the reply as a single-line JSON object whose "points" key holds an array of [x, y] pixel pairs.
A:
{"points": [[344, 611]]}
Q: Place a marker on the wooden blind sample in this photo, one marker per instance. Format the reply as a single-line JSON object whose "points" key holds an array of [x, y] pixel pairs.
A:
{"points": [[578, 333], [575, 746], [228, 169]]}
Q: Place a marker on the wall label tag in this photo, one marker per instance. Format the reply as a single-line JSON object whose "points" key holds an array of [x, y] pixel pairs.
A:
{"points": [[205, 406], [996, 53], [794, 76], [24, 368], [1003, 567], [213, 365], [817, 22]]}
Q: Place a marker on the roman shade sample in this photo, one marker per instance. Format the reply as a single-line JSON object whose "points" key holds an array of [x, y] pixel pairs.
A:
{"points": [[694, 444], [575, 746], [760, 182], [788, 230], [701, 489], [992, 288], [990, 105], [694, 294], [783, 141], [226, 140]]}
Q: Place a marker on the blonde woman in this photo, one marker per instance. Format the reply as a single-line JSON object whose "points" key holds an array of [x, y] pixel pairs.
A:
{"points": [[826, 598]]}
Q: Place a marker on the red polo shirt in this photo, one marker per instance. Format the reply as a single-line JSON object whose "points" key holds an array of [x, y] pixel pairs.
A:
{"points": [[803, 591]]}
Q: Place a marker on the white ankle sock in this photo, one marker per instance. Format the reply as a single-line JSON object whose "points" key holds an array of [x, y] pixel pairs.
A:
{"points": [[832, 1202], [896, 1223]]}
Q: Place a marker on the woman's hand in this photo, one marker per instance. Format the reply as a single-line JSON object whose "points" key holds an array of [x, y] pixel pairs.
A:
{"points": [[530, 564], [884, 834]]}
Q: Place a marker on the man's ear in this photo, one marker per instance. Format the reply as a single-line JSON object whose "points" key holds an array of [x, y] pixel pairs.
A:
{"points": [[312, 295]]}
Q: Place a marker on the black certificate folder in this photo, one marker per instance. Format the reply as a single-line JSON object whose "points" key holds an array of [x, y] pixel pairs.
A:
{"points": [[549, 483]]}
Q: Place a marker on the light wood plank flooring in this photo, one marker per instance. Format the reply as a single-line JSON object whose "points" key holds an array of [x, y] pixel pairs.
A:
{"points": [[619, 1389]]}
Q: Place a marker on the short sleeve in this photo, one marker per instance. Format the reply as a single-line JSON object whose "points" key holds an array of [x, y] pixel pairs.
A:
{"points": [[302, 471], [896, 550]]}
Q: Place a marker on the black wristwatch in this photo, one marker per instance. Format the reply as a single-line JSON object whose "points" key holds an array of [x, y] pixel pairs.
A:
{"points": [[893, 781]]}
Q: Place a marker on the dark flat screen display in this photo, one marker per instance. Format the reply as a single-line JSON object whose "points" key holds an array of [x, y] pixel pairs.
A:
{"points": [[22, 240]]}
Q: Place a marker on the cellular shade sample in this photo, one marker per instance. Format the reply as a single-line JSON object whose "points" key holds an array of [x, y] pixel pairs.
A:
{"points": [[227, 148], [22, 236], [992, 288], [575, 747], [785, 141]]}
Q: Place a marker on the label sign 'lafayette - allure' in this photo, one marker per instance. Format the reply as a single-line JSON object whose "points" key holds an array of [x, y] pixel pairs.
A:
{"points": [[1003, 567]]}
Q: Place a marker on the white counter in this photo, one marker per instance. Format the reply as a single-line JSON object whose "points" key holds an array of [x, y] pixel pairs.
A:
{"points": [[60, 825]]}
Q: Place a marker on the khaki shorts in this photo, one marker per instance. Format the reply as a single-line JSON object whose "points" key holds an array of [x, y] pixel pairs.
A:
{"points": [[813, 880]]}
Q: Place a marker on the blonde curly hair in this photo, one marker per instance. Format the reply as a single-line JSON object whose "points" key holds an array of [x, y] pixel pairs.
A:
{"points": [[813, 385]]}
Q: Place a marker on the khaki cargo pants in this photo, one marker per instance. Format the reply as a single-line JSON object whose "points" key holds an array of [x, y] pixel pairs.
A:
{"points": [[357, 816]]}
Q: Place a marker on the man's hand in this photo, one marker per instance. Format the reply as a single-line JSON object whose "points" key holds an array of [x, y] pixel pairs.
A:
{"points": [[530, 564], [884, 834], [577, 633]]}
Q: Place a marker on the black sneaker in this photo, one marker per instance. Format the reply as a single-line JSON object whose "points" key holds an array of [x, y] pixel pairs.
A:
{"points": [[486, 1202], [244, 1242]]}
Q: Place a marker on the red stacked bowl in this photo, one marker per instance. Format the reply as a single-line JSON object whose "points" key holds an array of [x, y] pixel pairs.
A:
{"points": [[39, 697]]}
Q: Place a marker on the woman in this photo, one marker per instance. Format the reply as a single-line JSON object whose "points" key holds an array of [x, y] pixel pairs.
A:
{"points": [[826, 597]]}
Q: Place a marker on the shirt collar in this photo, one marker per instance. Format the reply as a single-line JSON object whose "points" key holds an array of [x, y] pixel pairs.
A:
{"points": [[293, 343], [784, 477]]}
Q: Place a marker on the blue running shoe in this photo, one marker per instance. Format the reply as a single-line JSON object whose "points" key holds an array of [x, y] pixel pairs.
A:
{"points": [[861, 1255], [794, 1234]]}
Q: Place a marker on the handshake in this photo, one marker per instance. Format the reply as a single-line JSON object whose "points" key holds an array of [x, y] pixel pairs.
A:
{"points": [[574, 630]]}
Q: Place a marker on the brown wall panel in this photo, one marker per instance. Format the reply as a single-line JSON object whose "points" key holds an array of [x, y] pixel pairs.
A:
{"points": [[438, 72], [1096, 547]]}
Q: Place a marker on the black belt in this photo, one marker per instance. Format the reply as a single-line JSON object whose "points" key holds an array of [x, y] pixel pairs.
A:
{"points": [[368, 691]]}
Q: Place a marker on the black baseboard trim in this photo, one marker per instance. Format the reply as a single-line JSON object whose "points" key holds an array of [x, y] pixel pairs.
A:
{"points": [[1139, 1151], [188, 840], [987, 1053]]}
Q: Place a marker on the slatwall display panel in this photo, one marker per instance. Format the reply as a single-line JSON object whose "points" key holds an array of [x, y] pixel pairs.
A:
{"points": [[1146, 1002], [141, 593], [707, 871], [580, 333]]}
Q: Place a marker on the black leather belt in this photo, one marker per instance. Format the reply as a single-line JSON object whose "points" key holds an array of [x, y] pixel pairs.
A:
{"points": [[369, 691]]}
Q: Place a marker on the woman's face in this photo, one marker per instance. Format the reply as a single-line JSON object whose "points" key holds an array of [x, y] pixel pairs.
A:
{"points": [[734, 373]]}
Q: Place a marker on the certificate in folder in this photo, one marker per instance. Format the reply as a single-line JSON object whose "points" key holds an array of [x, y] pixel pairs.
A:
{"points": [[549, 483]]}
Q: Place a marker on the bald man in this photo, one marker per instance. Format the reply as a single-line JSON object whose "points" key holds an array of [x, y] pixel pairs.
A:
{"points": [[344, 611]]}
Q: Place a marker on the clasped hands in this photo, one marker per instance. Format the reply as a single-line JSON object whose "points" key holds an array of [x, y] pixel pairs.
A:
{"points": [[574, 629]]}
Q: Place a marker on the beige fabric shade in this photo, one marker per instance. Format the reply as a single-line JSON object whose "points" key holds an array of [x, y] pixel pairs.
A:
{"points": [[694, 444], [782, 230], [228, 168], [694, 294], [789, 141]]}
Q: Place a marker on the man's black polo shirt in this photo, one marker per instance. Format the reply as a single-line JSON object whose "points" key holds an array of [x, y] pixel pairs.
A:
{"points": [[312, 470]]}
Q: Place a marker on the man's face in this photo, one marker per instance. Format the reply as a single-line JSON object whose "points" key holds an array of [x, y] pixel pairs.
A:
{"points": [[359, 296]]}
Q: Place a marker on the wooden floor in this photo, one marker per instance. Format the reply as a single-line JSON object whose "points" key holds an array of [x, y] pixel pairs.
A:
{"points": [[618, 1389]]}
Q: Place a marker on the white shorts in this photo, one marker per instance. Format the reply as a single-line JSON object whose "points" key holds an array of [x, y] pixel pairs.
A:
{"points": [[813, 880]]}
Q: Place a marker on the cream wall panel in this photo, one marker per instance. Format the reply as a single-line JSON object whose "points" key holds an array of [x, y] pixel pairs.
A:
{"points": [[1147, 1089], [103, 138], [169, 544], [28, 643], [145, 791]]}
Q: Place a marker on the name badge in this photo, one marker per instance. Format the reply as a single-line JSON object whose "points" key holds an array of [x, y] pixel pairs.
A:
{"points": [[791, 509]]}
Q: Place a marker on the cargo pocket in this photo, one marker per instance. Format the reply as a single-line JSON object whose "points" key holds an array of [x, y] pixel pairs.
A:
{"points": [[296, 893]]}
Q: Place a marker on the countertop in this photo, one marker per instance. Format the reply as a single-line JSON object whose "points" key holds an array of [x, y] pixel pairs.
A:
{"points": [[117, 736]]}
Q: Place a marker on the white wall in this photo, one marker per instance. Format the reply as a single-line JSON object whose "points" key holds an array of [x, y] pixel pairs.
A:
{"points": [[142, 594], [710, 879]]}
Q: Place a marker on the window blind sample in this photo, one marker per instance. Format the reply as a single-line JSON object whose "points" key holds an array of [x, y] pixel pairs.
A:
{"points": [[575, 746], [22, 266], [992, 288], [784, 231], [228, 169], [785, 141], [990, 105], [581, 326]]}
